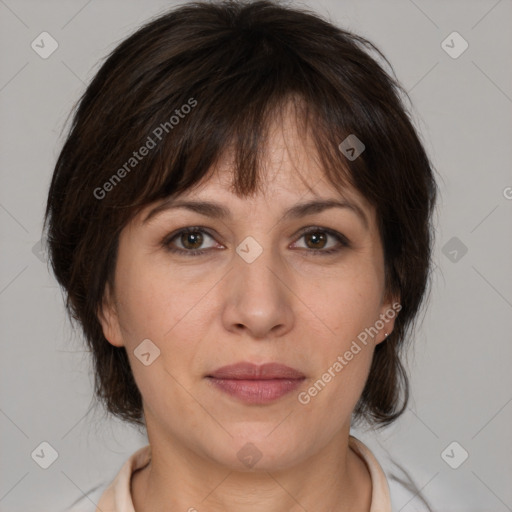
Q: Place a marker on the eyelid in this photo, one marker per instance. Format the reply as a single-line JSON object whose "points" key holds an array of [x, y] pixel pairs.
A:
{"points": [[332, 232], [188, 229], [343, 241]]}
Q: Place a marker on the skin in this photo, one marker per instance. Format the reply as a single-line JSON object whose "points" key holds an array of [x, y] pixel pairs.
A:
{"points": [[289, 306]]}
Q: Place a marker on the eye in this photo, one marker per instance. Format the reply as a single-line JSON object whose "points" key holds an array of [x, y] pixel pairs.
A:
{"points": [[192, 238], [316, 238]]}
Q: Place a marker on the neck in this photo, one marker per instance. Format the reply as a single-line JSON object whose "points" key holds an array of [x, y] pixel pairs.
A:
{"points": [[335, 479]]}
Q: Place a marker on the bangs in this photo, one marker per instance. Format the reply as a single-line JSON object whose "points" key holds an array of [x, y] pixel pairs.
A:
{"points": [[224, 100], [189, 158]]}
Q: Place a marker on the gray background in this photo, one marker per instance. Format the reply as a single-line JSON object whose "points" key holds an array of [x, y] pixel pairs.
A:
{"points": [[460, 366]]}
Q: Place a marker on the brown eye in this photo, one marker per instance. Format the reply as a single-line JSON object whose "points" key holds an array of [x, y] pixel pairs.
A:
{"points": [[315, 239], [191, 239]]}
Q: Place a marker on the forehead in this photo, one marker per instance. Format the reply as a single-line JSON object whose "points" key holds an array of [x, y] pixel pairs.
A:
{"points": [[215, 199], [289, 171], [289, 165]]}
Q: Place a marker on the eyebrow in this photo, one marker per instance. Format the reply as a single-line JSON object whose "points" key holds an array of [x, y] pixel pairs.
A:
{"points": [[218, 211]]}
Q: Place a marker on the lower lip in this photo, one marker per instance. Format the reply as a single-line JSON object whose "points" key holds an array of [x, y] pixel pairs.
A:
{"points": [[257, 391]]}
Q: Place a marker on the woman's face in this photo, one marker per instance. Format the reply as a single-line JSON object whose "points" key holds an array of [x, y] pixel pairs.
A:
{"points": [[258, 293]]}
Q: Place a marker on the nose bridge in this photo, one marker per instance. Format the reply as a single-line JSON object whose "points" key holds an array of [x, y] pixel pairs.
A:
{"points": [[258, 298], [257, 264]]}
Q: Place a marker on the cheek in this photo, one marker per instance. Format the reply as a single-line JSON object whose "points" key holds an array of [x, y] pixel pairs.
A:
{"points": [[346, 303], [156, 309], [153, 300], [145, 310], [168, 310], [346, 306]]}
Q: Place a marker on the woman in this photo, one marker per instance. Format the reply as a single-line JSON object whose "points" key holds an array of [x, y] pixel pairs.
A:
{"points": [[241, 220]]}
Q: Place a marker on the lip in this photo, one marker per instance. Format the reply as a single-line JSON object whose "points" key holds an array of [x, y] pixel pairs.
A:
{"points": [[256, 384], [250, 371]]}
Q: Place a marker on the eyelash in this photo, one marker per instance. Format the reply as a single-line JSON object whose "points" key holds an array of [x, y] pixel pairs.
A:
{"points": [[166, 243]]}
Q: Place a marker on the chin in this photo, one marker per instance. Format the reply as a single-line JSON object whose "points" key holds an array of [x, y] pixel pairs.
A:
{"points": [[259, 453]]}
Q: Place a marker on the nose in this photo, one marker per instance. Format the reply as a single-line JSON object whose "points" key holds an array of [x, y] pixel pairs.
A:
{"points": [[258, 297]]}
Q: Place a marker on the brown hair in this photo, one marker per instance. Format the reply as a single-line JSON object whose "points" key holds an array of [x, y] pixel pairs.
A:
{"points": [[208, 76]]}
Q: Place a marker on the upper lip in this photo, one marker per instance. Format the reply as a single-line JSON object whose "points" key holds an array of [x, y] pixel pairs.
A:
{"points": [[250, 371]]}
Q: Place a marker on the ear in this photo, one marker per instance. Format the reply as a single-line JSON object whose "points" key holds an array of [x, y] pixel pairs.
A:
{"points": [[387, 315], [109, 319]]}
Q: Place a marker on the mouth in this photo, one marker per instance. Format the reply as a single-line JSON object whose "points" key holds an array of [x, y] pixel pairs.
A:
{"points": [[256, 384]]}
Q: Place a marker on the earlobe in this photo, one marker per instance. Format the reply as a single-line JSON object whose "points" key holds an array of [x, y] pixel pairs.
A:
{"points": [[109, 320], [386, 321]]}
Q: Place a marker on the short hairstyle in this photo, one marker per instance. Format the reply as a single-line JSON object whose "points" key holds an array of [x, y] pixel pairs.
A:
{"points": [[208, 77]]}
